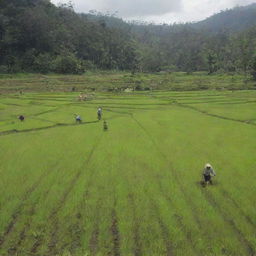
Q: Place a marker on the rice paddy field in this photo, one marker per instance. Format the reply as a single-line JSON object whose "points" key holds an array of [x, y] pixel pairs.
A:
{"points": [[77, 190]]}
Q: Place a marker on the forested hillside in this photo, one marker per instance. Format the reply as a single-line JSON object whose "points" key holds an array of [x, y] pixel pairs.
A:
{"points": [[37, 36], [236, 19]]}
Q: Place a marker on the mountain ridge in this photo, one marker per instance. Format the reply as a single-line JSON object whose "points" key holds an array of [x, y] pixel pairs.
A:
{"points": [[235, 19], [232, 20]]}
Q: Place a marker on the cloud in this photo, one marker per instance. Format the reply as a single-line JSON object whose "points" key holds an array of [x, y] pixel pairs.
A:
{"points": [[242, 2], [196, 10], [143, 7], [167, 11], [128, 8]]}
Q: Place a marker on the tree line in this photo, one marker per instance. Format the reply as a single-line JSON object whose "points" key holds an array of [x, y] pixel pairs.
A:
{"points": [[37, 36]]}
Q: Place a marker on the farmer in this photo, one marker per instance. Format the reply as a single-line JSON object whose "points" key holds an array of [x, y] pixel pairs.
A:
{"points": [[21, 117], [78, 119], [105, 126], [208, 173], [99, 113]]}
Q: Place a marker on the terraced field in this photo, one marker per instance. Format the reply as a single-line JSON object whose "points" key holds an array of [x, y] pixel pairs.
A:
{"points": [[74, 189]]}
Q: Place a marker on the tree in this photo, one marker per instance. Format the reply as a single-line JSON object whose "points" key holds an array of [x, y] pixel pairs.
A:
{"points": [[253, 68], [211, 60], [68, 64], [37, 36]]}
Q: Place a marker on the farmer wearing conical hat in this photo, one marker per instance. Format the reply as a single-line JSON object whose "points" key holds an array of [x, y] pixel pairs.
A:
{"points": [[208, 173]]}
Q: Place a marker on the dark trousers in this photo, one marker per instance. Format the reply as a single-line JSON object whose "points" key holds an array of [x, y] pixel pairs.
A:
{"points": [[207, 178]]}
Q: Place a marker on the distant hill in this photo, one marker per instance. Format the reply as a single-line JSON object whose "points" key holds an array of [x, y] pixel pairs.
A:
{"points": [[37, 36], [233, 20], [229, 21]]}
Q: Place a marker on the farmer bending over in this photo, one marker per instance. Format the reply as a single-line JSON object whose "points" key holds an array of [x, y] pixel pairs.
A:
{"points": [[208, 172], [22, 118], [78, 119]]}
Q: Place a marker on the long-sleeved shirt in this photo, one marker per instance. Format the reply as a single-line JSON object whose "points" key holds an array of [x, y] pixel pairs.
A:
{"points": [[209, 172]]}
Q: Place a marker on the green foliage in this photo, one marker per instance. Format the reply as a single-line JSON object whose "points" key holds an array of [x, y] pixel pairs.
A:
{"points": [[236, 19], [118, 81], [67, 64], [4, 69], [212, 63], [43, 63], [34, 34], [253, 68]]}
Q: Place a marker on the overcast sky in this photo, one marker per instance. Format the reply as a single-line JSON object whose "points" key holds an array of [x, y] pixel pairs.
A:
{"points": [[159, 11]]}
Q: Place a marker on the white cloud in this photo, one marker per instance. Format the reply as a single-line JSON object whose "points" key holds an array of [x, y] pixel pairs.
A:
{"points": [[128, 8], [158, 11]]}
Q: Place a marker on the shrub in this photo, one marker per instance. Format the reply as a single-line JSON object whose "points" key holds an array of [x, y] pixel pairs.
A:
{"points": [[253, 67], [3, 69], [43, 63], [68, 64]]}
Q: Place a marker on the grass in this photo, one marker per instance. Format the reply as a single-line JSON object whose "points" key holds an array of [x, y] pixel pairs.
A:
{"points": [[119, 81], [73, 189]]}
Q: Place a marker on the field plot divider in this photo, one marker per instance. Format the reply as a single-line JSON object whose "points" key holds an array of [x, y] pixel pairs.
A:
{"points": [[4, 133], [214, 115]]}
